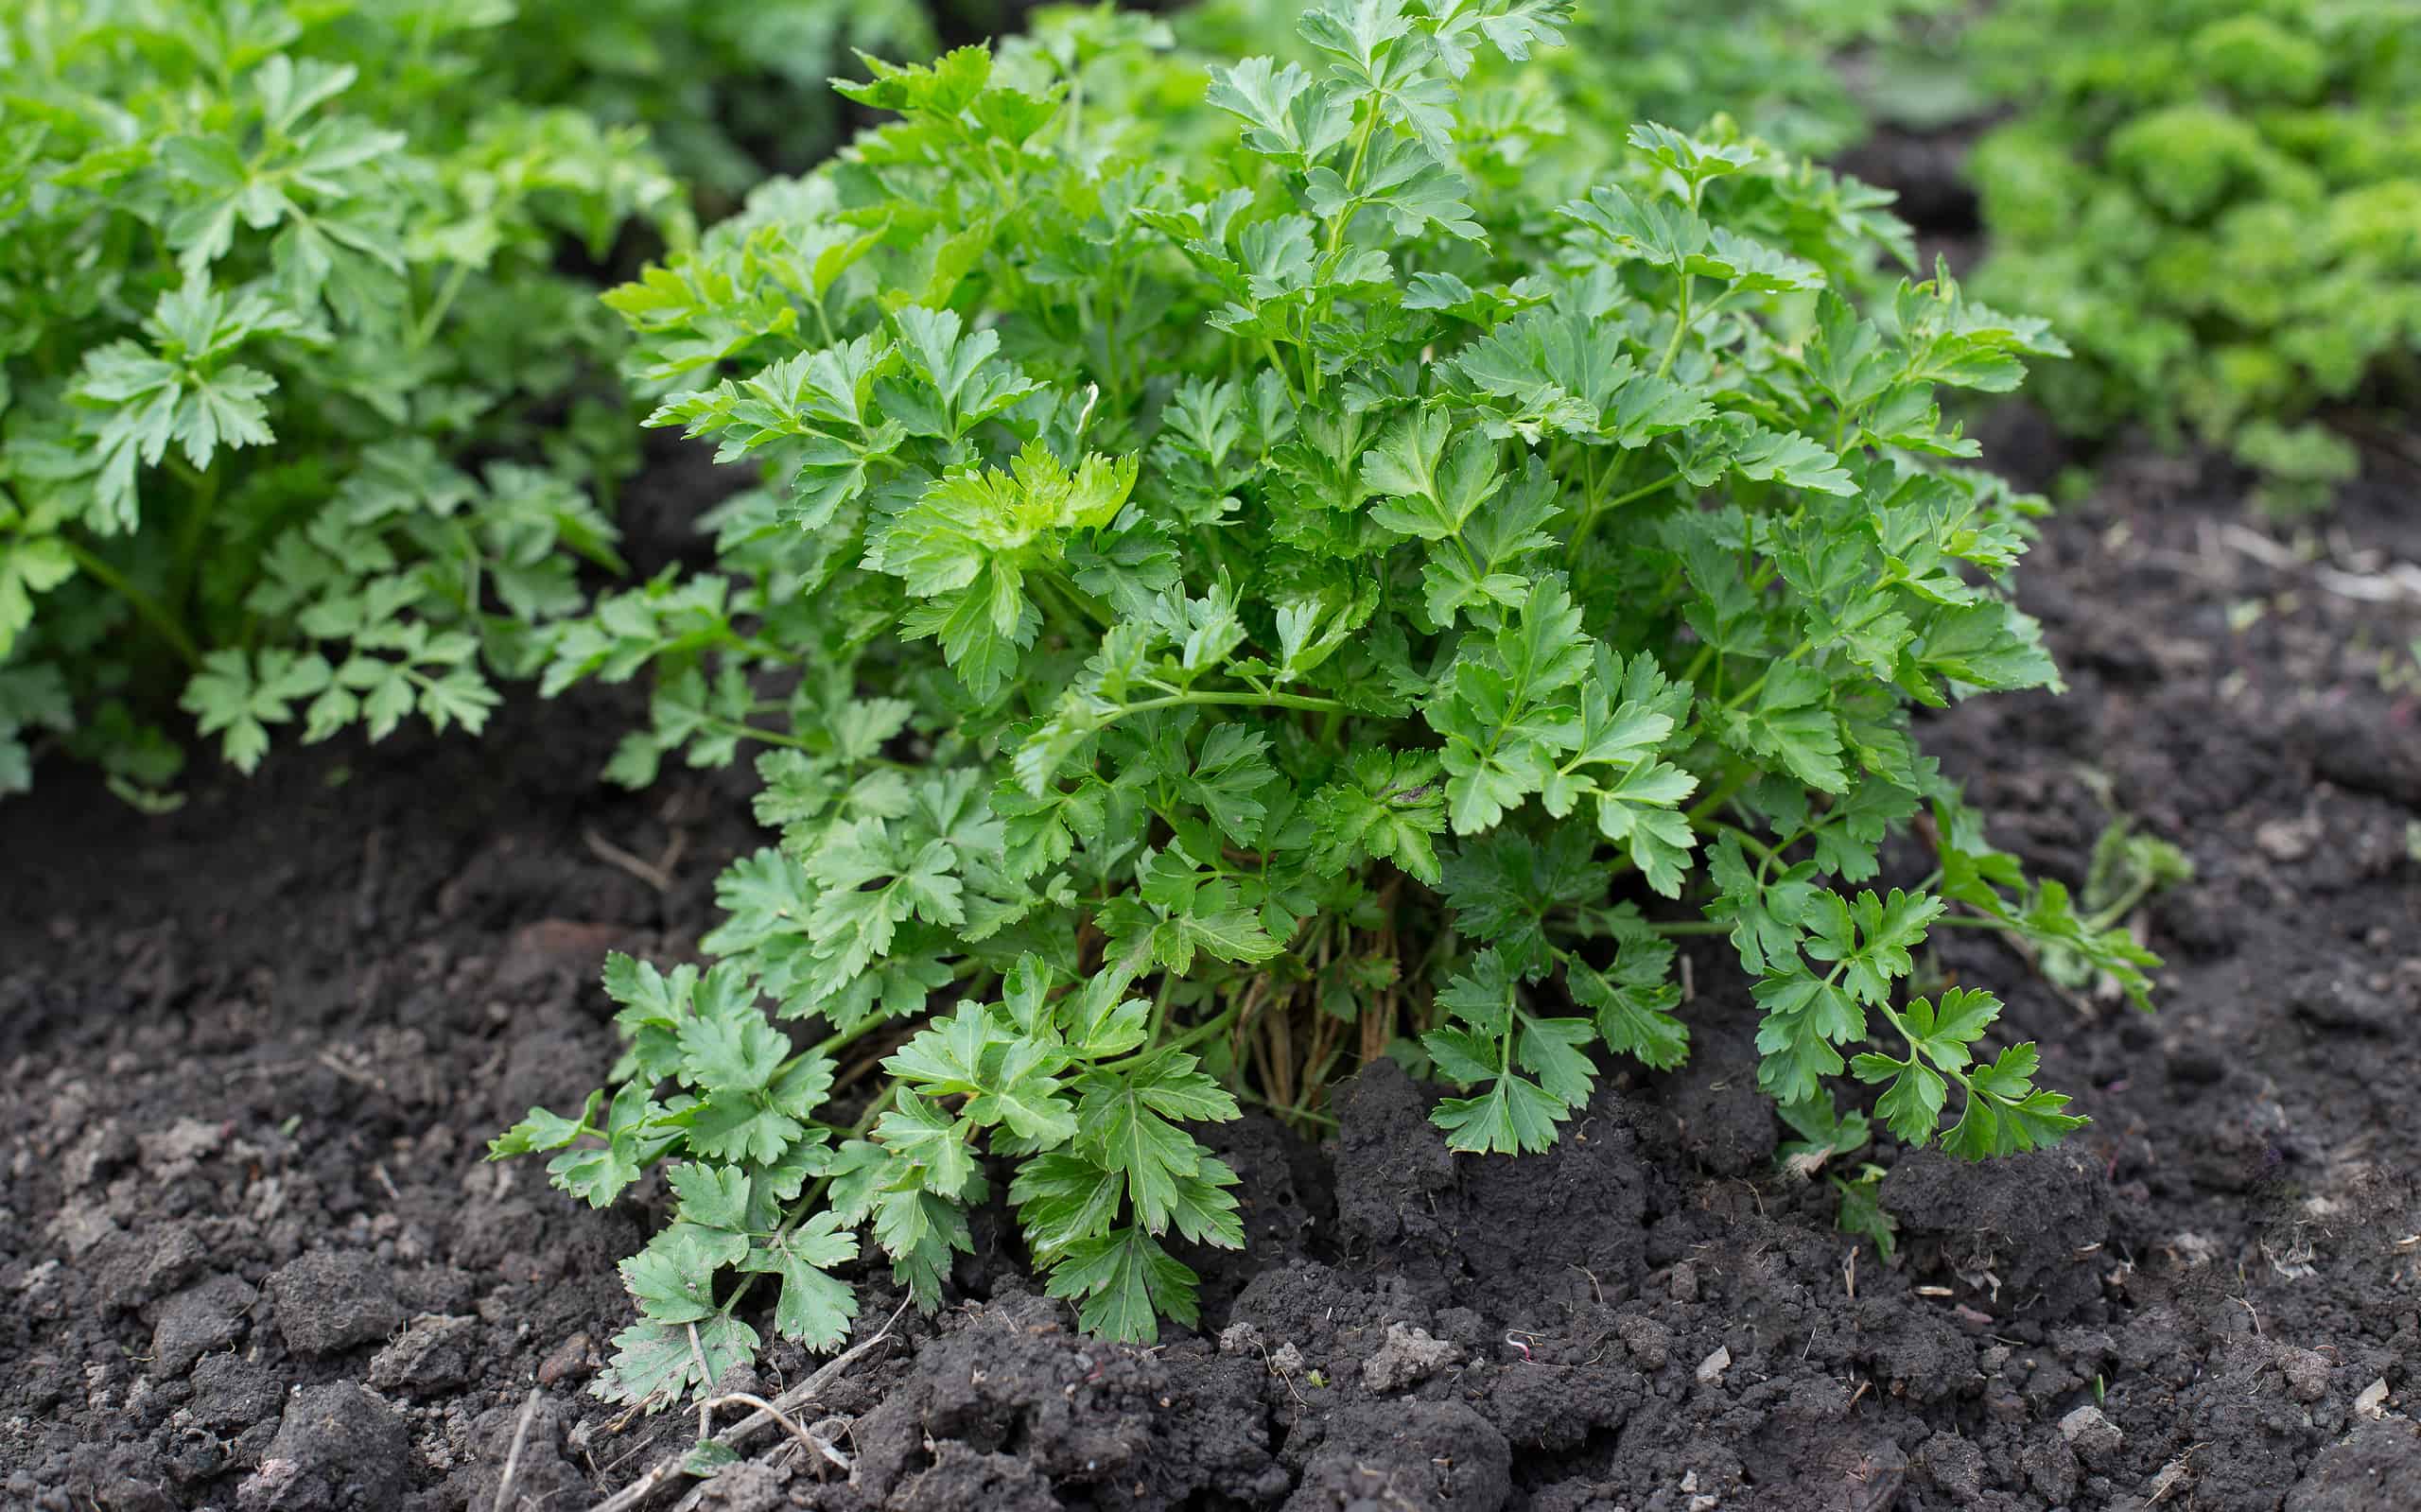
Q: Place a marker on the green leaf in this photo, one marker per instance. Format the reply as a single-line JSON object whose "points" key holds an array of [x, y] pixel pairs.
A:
{"points": [[1807, 1018], [1124, 1122], [711, 1197], [543, 1130], [1516, 1113], [731, 1054], [1911, 1105], [1863, 1215], [1998, 1124], [1061, 1198], [1389, 810], [672, 1279], [29, 565], [1403, 178], [1124, 1283], [1695, 161], [1786, 457], [1232, 766], [1515, 1116], [814, 1307], [1549, 1048], [1296, 569], [1505, 714], [1503, 888], [1288, 115], [929, 1143], [654, 1365], [1791, 726], [1870, 938], [741, 1126], [1823, 1132], [238, 697], [1768, 913], [1634, 1017]]}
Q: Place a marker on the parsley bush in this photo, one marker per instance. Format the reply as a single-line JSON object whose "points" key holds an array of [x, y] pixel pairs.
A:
{"points": [[719, 84], [1248, 575], [267, 281], [1772, 66], [2219, 204]]}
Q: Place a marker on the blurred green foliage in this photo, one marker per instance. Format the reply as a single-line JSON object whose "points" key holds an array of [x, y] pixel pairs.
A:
{"points": [[303, 420], [1770, 65], [726, 89], [2218, 205]]}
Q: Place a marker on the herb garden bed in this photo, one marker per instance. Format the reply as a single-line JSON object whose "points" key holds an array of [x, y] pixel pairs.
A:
{"points": [[254, 1256]]}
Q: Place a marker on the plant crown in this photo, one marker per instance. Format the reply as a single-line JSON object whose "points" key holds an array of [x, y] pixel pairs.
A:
{"points": [[1237, 587]]}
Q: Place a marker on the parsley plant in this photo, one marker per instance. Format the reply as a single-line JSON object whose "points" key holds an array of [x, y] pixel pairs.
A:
{"points": [[264, 280], [723, 87], [1251, 573], [1771, 65], [2218, 203]]}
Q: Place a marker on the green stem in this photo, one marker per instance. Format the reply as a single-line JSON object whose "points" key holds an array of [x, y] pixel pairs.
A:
{"points": [[1085, 605], [1680, 927], [1916, 1051], [1205, 1030], [1278, 364], [1345, 213], [1353, 177], [1681, 328], [425, 331], [1280, 700], [835, 1042], [1248, 1095], [1160, 1007], [1752, 841], [1758, 686], [1598, 512], [1715, 800], [187, 562], [751, 732], [796, 1213], [162, 623], [2109, 918]]}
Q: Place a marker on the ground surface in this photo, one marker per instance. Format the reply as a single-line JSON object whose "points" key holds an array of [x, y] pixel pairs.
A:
{"points": [[252, 1257]]}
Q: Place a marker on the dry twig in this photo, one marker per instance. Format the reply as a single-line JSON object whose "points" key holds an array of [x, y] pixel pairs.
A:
{"points": [[767, 1415], [512, 1456]]}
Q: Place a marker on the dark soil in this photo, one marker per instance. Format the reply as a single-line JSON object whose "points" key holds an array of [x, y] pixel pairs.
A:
{"points": [[253, 1257]]}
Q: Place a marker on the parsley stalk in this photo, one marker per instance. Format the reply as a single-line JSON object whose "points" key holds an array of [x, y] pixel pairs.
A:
{"points": [[149, 609]]}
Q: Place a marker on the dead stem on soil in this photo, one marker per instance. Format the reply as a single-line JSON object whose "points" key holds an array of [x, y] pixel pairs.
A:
{"points": [[767, 1415], [512, 1456], [814, 1445], [657, 873]]}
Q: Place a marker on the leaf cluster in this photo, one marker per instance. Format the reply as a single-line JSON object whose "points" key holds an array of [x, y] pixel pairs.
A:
{"points": [[2216, 203], [1770, 65], [269, 275], [727, 90], [1238, 577]]}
